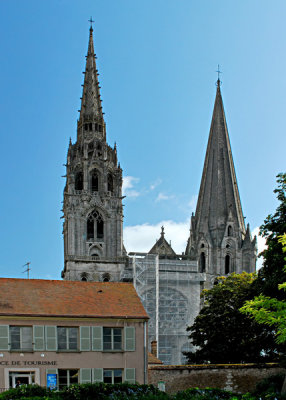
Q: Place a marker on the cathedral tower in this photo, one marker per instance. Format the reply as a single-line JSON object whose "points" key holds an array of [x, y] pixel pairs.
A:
{"points": [[218, 238], [93, 215]]}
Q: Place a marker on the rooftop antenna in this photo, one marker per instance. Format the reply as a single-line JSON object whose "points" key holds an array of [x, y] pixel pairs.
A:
{"points": [[28, 269]]}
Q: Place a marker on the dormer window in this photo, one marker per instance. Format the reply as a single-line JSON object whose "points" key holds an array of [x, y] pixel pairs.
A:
{"points": [[229, 230]]}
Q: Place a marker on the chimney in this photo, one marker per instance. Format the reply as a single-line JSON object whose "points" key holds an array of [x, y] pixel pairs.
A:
{"points": [[154, 348]]}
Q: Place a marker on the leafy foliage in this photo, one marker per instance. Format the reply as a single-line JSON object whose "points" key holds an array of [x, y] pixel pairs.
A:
{"points": [[222, 333], [270, 310], [98, 391], [272, 273], [267, 390], [272, 384]]}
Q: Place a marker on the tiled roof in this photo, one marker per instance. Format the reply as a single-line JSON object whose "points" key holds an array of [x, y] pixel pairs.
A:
{"points": [[38, 297]]}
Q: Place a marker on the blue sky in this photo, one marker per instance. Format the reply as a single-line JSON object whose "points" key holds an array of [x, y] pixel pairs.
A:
{"points": [[157, 61]]}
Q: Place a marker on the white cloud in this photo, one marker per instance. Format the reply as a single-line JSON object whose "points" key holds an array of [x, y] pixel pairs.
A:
{"points": [[127, 186], [193, 203], [261, 245], [155, 184], [141, 238], [161, 196]]}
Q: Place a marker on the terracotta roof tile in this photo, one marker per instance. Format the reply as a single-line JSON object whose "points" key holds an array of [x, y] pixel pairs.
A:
{"points": [[38, 297]]}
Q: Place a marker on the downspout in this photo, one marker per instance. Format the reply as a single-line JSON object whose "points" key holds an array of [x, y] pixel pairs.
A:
{"points": [[145, 354]]}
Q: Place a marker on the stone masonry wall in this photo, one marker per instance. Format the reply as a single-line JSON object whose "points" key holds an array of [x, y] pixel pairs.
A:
{"points": [[239, 378]]}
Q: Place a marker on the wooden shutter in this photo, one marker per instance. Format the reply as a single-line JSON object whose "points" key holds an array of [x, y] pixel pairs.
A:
{"points": [[4, 337], [85, 375], [97, 338], [84, 338], [129, 334], [130, 375], [51, 338], [39, 337], [97, 375]]}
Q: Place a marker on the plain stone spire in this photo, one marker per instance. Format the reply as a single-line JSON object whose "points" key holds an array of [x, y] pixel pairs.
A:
{"points": [[217, 232], [218, 194]]}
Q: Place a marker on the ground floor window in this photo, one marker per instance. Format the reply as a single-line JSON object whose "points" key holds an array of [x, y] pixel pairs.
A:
{"points": [[19, 378], [112, 376], [67, 377]]}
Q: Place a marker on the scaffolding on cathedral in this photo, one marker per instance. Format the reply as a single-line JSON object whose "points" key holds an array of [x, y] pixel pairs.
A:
{"points": [[170, 291]]}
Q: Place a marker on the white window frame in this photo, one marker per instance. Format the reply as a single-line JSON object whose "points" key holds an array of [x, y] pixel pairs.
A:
{"points": [[112, 374], [67, 328], [21, 348], [112, 339], [68, 375]]}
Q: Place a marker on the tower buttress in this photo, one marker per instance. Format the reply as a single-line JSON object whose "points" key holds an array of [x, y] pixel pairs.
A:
{"points": [[93, 212], [217, 235]]}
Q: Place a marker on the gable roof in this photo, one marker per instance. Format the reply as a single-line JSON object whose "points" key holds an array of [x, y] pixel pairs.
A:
{"points": [[46, 298], [162, 247]]}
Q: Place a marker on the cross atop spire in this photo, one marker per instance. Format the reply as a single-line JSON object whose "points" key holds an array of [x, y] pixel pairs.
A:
{"points": [[91, 22], [218, 73]]}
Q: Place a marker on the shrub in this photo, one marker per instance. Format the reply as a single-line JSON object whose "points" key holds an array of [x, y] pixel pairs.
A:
{"points": [[271, 385]]}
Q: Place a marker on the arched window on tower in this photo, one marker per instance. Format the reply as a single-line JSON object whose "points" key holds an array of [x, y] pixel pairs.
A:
{"points": [[95, 226], [94, 181], [78, 183], [99, 228], [109, 183], [202, 262], [229, 230], [227, 264], [90, 228]]}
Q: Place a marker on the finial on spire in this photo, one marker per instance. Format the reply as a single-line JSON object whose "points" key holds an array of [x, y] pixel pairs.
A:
{"points": [[91, 22], [218, 73], [162, 231]]}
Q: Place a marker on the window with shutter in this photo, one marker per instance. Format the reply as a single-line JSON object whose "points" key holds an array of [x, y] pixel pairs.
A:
{"points": [[97, 375], [84, 338], [129, 338], [39, 337], [97, 338], [51, 338], [85, 375], [4, 337], [130, 375]]}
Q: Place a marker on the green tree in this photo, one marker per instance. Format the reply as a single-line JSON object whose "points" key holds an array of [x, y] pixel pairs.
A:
{"points": [[222, 333], [270, 310], [272, 273]]}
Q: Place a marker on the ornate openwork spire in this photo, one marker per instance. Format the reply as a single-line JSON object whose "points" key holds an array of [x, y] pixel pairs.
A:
{"points": [[91, 108]]}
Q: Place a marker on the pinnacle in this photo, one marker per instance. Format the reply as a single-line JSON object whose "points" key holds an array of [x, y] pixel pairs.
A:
{"points": [[91, 107]]}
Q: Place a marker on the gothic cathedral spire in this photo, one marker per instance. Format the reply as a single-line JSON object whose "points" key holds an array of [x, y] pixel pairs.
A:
{"points": [[217, 235], [93, 212], [91, 102]]}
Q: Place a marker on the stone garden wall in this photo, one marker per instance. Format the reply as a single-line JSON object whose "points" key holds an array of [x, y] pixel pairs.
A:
{"points": [[239, 378]]}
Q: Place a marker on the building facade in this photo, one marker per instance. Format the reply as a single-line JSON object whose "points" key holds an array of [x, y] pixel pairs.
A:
{"points": [[80, 332], [168, 284]]}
